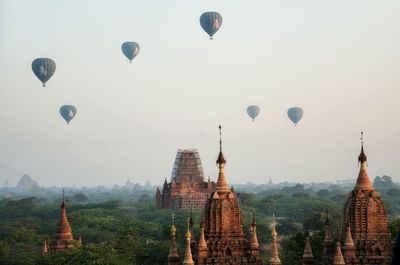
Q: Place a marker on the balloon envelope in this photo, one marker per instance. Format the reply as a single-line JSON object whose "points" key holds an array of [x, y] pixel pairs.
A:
{"points": [[253, 111], [130, 49], [211, 22], [43, 68], [68, 112], [295, 114]]}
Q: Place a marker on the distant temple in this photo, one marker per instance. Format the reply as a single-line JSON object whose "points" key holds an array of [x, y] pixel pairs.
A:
{"points": [[63, 238], [187, 188]]}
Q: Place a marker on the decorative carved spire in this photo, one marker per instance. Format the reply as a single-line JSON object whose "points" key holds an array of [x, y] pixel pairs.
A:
{"points": [[222, 185], [45, 250], [202, 246], [254, 245], [308, 257], [188, 253], [363, 182], [274, 260], [338, 258], [328, 244], [254, 240], [63, 200], [64, 231], [165, 186], [328, 234], [349, 247], [173, 257], [349, 239]]}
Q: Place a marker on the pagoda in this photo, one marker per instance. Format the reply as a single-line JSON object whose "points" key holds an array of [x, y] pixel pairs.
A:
{"points": [[187, 188], [63, 238], [222, 240], [366, 236]]}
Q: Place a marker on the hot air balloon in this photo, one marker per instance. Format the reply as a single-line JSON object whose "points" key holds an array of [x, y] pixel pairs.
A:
{"points": [[295, 114], [130, 49], [43, 68], [253, 111], [211, 22], [68, 112]]}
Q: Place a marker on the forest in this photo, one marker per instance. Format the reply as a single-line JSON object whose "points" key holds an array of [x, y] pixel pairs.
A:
{"points": [[125, 227]]}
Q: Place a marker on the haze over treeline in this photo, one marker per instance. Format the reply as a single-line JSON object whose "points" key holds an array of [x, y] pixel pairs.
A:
{"points": [[338, 60]]}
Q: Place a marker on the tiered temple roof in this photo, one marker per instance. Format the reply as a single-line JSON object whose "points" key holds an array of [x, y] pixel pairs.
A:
{"points": [[63, 238], [187, 188], [366, 222]]}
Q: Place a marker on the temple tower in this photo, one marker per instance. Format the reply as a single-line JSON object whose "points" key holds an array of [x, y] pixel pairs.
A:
{"points": [[365, 215], [202, 245], [254, 245], [274, 260], [188, 253], [349, 248], [173, 257], [223, 228], [328, 244], [45, 249], [308, 257], [338, 257], [63, 238], [187, 188]]}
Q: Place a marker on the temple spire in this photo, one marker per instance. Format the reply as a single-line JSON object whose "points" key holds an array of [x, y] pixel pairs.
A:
{"points": [[338, 258], [64, 231], [45, 250], [173, 257], [274, 260], [188, 253], [202, 246], [349, 239], [63, 238], [349, 247], [63, 200], [222, 185], [308, 257], [254, 245], [363, 182]]}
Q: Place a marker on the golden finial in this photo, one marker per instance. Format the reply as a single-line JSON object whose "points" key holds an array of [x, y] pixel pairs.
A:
{"points": [[221, 159], [362, 137], [173, 228], [362, 157], [220, 138], [188, 234]]}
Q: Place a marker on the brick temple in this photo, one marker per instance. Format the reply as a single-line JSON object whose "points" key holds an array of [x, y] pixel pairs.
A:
{"points": [[365, 237], [222, 239], [64, 238], [187, 188]]}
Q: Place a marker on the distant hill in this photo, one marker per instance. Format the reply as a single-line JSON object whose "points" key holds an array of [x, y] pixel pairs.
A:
{"points": [[26, 184]]}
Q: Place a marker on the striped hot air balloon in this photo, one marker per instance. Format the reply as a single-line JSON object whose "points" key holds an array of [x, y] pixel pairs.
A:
{"points": [[211, 22], [44, 69]]}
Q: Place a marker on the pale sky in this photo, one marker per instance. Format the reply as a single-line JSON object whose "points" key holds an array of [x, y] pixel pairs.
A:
{"points": [[338, 60]]}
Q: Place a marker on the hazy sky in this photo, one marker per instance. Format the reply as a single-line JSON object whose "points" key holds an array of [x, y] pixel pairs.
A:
{"points": [[338, 60]]}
